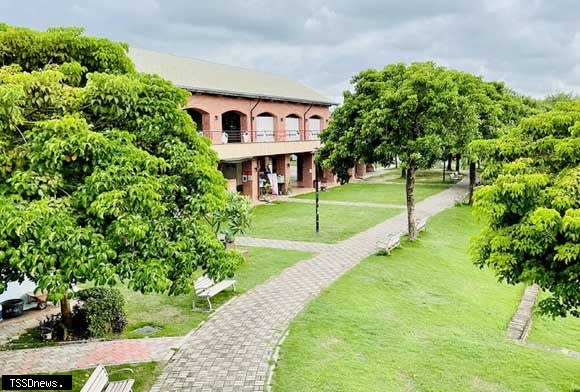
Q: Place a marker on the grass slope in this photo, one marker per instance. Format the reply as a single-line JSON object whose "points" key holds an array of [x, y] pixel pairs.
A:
{"points": [[293, 221], [423, 319], [560, 332]]}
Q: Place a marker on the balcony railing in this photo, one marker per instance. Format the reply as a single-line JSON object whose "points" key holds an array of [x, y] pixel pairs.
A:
{"points": [[265, 135], [261, 136], [292, 135]]}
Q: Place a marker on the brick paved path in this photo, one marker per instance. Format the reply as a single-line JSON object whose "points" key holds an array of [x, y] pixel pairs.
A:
{"points": [[87, 355], [232, 350], [10, 329], [342, 203]]}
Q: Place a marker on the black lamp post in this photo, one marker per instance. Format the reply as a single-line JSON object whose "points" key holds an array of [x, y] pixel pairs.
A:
{"points": [[317, 191]]}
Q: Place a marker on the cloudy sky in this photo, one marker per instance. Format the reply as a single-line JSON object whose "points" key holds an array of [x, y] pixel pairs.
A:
{"points": [[533, 45]]}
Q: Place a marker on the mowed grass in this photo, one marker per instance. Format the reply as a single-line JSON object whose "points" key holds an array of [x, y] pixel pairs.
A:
{"points": [[376, 193], [559, 332], [173, 315], [422, 319], [387, 188], [144, 375], [293, 221], [432, 176]]}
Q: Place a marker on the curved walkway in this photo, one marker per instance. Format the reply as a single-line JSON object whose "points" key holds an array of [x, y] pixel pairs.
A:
{"points": [[233, 349]]}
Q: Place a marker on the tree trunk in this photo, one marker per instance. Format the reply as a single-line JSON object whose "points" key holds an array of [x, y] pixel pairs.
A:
{"points": [[443, 170], [410, 189], [472, 178], [66, 313], [403, 173], [449, 163], [457, 163], [396, 162]]}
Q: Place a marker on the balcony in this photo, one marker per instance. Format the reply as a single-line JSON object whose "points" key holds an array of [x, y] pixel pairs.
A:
{"points": [[239, 144]]}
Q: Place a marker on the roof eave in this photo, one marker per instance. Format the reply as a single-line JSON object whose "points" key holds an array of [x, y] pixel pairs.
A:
{"points": [[262, 96]]}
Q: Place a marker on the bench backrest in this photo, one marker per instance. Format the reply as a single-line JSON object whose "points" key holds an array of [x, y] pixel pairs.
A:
{"points": [[97, 381], [203, 283], [421, 225]]}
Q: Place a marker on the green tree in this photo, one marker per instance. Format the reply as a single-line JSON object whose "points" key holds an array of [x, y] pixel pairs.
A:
{"points": [[233, 220], [103, 176], [531, 206], [496, 108], [549, 102], [400, 111]]}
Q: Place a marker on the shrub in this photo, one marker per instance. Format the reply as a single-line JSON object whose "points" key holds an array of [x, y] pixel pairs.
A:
{"points": [[102, 312], [52, 328]]}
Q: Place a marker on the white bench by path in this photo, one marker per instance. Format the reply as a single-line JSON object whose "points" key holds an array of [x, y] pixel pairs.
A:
{"points": [[421, 225], [205, 287], [99, 382], [393, 241]]}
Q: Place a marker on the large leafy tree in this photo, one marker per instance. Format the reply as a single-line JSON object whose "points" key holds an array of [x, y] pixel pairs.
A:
{"points": [[405, 111], [102, 175], [531, 206], [496, 108]]}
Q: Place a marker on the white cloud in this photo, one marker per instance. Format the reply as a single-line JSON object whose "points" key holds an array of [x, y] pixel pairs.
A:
{"points": [[531, 44]]}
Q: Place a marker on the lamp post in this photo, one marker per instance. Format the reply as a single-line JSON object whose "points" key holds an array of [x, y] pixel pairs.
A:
{"points": [[317, 191]]}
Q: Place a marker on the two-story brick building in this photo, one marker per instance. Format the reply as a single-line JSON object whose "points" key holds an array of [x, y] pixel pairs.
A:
{"points": [[258, 122]]}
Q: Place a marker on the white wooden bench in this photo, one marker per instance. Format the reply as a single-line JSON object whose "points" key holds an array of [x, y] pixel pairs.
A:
{"points": [[421, 225], [456, 177], [99, 382], [205, 287], [393, 241]]}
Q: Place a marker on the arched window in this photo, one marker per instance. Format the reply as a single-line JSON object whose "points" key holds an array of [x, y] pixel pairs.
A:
{"points": [[265, 123], [200, 119], [314, 124], [292, 125], [232, 124]]}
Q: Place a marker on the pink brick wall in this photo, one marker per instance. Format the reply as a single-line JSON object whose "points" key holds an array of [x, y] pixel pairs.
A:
{"points": [[212, 107]]}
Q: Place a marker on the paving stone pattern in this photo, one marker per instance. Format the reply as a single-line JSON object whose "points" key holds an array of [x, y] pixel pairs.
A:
{"points": [[10, 329], [233, 349], [87, 355]]}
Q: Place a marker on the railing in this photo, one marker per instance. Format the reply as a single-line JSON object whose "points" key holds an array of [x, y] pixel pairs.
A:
{"points": [[292, 135], [314, 135], [260, 136], [265, 135]]}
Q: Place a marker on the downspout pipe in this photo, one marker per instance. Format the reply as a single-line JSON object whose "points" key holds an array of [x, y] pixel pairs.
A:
{"points": [[252, 118], [304, 118]]}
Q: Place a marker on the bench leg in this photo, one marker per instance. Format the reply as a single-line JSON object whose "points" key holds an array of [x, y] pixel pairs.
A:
{"points": [[209, 302]]}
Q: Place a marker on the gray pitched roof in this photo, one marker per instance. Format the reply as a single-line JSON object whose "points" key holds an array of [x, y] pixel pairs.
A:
{"points": [[203, 76]]}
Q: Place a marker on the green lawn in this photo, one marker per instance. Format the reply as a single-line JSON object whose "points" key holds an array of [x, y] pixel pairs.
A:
{"points": [[173, 315], [422, 177], [144, 375], [376, 193], [422, 319], [560, 332], [293, 221]]}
